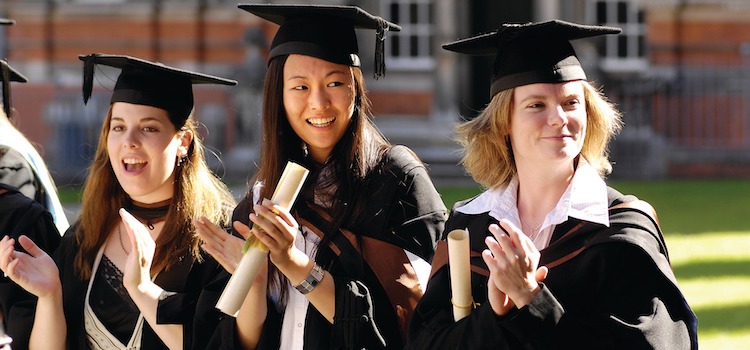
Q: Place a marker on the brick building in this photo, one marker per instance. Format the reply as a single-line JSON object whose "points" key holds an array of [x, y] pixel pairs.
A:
{"points": [[211, 36], [678, 72]]}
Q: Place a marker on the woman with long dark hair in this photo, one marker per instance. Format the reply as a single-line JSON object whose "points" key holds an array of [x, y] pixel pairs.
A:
{"points": [[338, 275]]}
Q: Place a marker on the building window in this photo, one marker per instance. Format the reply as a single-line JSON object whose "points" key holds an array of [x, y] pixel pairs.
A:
{"points": [[411, 48], [627, 51]]}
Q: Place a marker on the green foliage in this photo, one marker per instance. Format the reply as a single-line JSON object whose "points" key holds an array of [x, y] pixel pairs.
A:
{"points": [[451, 195], [69, 194]]}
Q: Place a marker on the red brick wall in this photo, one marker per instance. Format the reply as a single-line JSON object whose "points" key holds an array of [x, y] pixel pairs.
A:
{"points": [[179, 39], [699, 34], [401, 103]]}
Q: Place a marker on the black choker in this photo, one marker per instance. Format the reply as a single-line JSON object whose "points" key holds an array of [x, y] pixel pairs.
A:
{"points": [[150, 213]]}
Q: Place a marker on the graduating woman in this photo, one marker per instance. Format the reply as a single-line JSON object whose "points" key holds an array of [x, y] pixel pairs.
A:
{"points": [[338, 276], [558, 259], [135, 281]]}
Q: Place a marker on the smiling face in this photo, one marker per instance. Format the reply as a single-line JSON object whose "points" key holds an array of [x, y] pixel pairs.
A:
{"points": [[548, 123], [143, 147], [319, 102]]}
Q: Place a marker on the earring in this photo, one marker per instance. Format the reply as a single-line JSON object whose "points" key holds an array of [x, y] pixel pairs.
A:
{"points": [[304, 149], [180, 160]]}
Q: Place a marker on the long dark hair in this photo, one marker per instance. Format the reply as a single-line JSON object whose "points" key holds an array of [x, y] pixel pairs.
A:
{"points": [[352, 159]]}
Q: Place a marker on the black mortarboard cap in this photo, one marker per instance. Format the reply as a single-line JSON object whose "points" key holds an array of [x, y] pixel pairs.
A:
{"points": [[9, 74], [6, 22], [149, 83], [531, 53], [323, 31]]}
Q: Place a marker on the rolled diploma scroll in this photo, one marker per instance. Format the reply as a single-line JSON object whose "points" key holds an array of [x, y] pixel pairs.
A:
{"points": [[458, 258], [254, 251]]}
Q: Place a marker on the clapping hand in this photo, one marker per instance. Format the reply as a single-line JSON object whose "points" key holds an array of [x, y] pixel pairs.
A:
{"points": [[224, 247], [513, 262], [138, 265], [35, 272]]}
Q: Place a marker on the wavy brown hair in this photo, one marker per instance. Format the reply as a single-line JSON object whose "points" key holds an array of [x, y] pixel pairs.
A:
{"points": [[488, 155], [197, 192]]}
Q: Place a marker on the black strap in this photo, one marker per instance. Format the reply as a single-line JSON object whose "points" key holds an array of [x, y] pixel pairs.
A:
{"points": [[347, 251]]}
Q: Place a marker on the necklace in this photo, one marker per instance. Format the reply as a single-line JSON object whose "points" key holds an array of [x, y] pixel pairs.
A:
{"points": [[119, 235], [149, 213], [534, 230]]}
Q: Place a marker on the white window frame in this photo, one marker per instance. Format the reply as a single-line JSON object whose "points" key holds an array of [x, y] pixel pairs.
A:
{"points": [[423, 29], [632, 30]]}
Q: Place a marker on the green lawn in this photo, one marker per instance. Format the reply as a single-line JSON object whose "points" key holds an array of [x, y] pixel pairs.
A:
{"points": [[706, 224]]}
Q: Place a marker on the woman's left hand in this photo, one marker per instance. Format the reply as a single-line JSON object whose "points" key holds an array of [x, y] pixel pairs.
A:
{"points": [[138, 265], [277, 229], [513, 260], [223, 246]]}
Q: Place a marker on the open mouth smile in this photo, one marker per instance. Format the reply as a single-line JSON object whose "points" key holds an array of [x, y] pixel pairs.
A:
{"points": [[321, 122], [134, 164]]}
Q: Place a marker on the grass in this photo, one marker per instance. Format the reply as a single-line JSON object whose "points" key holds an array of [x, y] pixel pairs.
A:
{"points": [[706, 224]]}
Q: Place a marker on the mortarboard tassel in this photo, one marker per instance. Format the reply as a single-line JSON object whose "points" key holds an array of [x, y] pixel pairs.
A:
{"points": [[6, 88], [380, 35], [88, 76]]}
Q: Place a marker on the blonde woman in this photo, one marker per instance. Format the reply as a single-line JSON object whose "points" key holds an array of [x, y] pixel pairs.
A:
{"points": [[561, 261]]}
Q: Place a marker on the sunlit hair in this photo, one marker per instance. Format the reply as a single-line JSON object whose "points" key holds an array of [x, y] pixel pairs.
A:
{"points": [[488, 156], [197, 192], [353, 157]]}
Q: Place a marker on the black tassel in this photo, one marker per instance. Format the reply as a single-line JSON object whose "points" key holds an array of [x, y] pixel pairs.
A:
{"points": [[6, 88], [381, 33], [88, 76]]}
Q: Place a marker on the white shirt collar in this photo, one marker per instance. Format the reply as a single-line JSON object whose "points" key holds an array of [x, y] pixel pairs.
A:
{"points": [[584, 199]]}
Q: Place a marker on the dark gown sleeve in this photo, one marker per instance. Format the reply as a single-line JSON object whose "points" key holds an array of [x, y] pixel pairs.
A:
{"points": [[618, 293], [407, 212], [195, 307], [20, 215], [226, 338], [73, 290], [404, 209]]}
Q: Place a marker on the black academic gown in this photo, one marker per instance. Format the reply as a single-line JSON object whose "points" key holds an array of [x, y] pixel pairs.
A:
{"points": [[198, 287], [619, 292], [407, 213], [22, 215]]}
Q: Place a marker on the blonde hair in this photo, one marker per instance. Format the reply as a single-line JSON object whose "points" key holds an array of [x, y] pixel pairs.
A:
{"points": [[488, 155], [197, 192]]}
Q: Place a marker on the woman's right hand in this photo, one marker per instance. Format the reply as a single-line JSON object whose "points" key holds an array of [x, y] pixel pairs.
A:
{"points": [[35, 272], [277, 229], [224, 247], [513, 262]]}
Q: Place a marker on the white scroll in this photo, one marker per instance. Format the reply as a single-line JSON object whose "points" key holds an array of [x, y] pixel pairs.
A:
{"points": [[460, 272], [255, 252]]}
